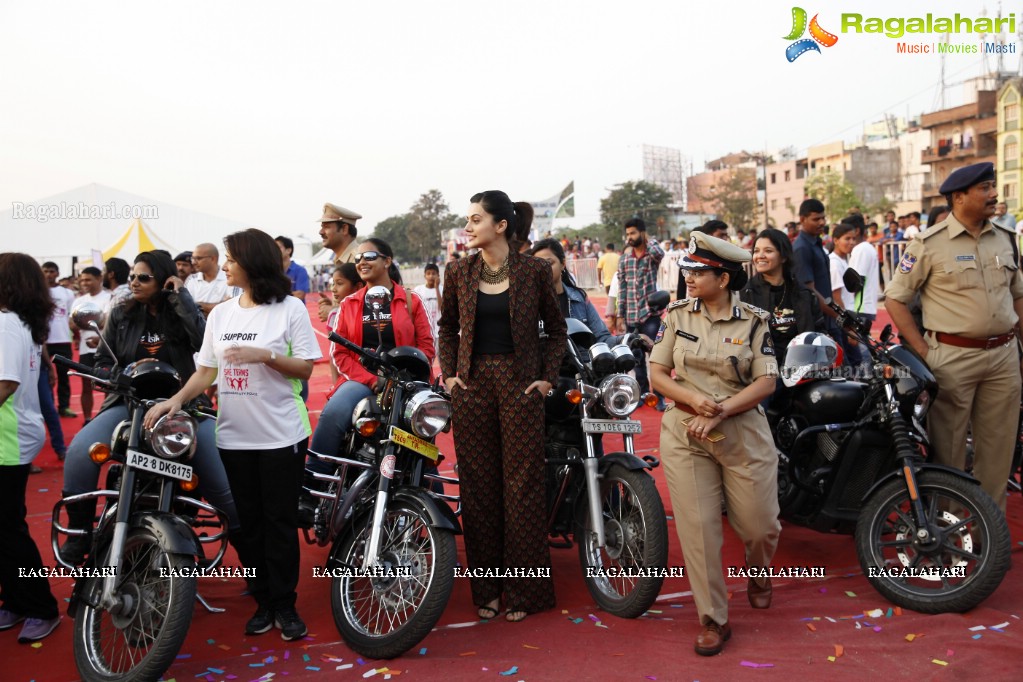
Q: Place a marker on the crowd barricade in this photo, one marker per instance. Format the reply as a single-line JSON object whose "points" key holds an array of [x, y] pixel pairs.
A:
{"points": [[584, 271], [891, 255]]}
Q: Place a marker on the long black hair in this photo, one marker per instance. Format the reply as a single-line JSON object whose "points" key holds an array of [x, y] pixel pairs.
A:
{"points": [[24, 292], [385, 249], [781, 243], [555, 247], [259, 256], [163, 268], [519, 214]]}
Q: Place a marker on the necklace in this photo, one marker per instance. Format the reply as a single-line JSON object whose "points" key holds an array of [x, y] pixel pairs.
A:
{"points": [[494, 276]]}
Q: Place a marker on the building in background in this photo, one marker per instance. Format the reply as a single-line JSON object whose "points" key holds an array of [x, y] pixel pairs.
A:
{"points": [[1009, 136], [786, 180]]}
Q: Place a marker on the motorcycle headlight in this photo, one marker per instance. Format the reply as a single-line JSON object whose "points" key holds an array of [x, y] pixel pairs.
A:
{"points": [[427, 414], [922, 404], [620, 394], [174, 436]]}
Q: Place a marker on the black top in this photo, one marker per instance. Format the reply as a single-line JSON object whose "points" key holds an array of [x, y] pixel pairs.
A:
{"points": [[372, 320], [153, 343], [792, 308], [493, 324]]}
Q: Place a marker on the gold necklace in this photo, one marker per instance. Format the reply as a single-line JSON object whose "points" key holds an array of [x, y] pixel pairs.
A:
{"points": [[494, 276]]}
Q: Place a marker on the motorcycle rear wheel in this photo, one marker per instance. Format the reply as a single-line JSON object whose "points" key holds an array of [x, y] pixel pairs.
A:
{"points": [[971, 550], [636, 534], [140, 644], [383, 617]]}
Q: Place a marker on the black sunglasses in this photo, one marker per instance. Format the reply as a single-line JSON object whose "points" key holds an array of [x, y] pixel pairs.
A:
{"points": [[369, 256], [144, 278]]}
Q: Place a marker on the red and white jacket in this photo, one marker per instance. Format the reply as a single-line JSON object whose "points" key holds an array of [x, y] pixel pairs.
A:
{"points": [[414, 331]]}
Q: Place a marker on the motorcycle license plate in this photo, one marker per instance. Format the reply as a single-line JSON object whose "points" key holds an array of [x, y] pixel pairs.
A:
{"points": [[612, 426], [160, 466], [415, 443]]}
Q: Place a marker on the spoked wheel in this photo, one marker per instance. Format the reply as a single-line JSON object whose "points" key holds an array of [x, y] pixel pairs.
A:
{"points": [[957, 567], [138, 640], [636, 533], [383, 616]]}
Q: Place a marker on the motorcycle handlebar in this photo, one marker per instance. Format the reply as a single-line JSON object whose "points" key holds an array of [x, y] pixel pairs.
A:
{"points": [[102, 375], [373, 359]]}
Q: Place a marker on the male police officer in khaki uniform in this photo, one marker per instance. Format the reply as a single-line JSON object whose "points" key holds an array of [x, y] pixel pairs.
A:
{"points": [[338, 231], [721, 351], [967, 273]]}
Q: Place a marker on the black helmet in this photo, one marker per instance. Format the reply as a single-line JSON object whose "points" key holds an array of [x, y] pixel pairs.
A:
{"points": [[412, 360], [152, 379]]}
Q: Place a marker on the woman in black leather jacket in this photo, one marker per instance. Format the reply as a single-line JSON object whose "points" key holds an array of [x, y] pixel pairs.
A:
{"points": [[774, 287], [159, 321]]}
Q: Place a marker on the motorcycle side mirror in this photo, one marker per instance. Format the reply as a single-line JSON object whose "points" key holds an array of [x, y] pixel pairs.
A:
{"points": [[853, 281], [89, 315]]}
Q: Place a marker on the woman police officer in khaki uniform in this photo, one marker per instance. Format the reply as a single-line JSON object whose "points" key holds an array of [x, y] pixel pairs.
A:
{"points": [[716, 439]]}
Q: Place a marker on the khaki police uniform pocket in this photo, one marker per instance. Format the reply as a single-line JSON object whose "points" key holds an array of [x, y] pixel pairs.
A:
{"points": [[684, 347], [961, 274], [1005, 269]]}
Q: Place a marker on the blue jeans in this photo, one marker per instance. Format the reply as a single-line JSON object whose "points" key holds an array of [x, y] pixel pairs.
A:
{"points": [[81, 474], [50, 415], [650, 326], [335, 422]]}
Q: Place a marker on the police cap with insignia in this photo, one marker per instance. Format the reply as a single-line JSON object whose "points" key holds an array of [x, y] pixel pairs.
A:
{"points": [[338, 214], [962, 179], [711, 253]]}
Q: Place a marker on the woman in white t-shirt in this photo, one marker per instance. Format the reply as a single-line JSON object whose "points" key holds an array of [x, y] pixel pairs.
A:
{"points": [[260, 346]]}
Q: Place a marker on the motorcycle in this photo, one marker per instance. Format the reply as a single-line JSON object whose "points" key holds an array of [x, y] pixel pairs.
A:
{"points": [[607, 502], [132, 603], [392, 546], [854, 458]]}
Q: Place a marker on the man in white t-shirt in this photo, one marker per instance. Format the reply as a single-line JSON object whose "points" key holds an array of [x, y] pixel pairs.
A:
{"points": [[208, 285], [90, 282], [430, 293], [863, 260], [59, 340]]}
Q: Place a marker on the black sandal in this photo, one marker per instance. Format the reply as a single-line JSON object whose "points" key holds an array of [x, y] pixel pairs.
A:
{"points": [[487, 612]]}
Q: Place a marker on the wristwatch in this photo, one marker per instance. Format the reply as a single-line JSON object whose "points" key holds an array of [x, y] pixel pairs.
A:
{"points": [[273, 358]]}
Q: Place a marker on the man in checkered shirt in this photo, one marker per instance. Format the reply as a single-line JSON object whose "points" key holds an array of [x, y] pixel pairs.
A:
{"points": [[637, 280]]}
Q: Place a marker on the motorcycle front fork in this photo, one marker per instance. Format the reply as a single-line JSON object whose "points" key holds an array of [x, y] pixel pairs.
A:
{"points": [[907, 456], [591, 470]]}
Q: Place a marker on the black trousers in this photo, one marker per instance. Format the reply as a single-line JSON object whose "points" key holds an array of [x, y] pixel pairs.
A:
{"points": [[63, 381], [30, 597], [265, 485]]}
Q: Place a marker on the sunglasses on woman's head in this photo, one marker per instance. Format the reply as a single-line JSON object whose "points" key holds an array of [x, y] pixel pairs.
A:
{"points": [[368, 256], [143, 277]]}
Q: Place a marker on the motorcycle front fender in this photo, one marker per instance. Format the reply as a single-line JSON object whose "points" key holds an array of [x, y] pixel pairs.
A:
{"points": [[918, 469], [631, 462], [440, 515], [171, 532]]}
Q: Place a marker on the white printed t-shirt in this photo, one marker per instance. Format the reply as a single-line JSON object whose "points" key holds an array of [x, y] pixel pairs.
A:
{"points": [[838, 267], [21, 422], [260, 408], [60, 330], [209, 292], [431, 303], [102, 299]]}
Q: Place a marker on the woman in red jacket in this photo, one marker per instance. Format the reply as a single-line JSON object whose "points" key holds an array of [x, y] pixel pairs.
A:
{"points": [[404, 322]]}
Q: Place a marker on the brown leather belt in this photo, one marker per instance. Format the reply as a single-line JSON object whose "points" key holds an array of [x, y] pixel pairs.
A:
{"points": [[965, 342]]}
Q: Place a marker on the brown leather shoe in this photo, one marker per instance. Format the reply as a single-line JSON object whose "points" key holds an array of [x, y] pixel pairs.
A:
{"points": [[712, 638], [759, 597]]}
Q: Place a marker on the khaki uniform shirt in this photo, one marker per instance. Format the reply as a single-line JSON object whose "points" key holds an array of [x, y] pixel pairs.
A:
{"points": [[967, 285], [701, 348], [348, 255]]}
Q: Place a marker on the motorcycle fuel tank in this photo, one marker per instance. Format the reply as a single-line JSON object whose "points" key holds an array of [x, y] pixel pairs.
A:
{"points": [[830, 401]]}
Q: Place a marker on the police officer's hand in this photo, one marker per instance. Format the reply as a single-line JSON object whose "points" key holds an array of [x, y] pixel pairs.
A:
{"points": [[700, 427], [705, 407]]}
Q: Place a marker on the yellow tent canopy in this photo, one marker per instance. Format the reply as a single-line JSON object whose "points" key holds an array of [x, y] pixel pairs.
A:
{"points": [[137, 238]]}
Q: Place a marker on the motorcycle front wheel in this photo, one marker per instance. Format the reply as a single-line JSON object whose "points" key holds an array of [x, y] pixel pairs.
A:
{"points": [[958, 568], [624, 576], [139, 641], [385, 615]]}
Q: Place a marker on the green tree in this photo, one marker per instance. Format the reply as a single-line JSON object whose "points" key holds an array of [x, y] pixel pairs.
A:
{"points": [[428, 219], [734, 198], [837, 194], [394, 231], [636, 199]]}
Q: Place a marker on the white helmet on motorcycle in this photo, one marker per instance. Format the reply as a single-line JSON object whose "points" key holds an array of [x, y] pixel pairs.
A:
{"points": [[809, 356]]}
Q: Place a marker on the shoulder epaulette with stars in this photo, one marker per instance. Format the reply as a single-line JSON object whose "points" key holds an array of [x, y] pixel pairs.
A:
{"points": [[759, 312], [679, 303]]}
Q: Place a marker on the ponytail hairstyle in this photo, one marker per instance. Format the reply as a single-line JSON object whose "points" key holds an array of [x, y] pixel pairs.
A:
{"points": [[385, 249], [518, 215], [555, 247]]}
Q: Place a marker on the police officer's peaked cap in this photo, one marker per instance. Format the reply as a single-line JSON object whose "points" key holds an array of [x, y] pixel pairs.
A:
{"points": [[710, 252], [961, 179], [184, 256], [338, 214]]}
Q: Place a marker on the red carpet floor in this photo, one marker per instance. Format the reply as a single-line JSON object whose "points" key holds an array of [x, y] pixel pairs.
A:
{"points": [[837, 627]]}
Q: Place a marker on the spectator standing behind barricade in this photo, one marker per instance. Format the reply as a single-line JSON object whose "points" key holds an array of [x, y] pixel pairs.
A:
{"points": [[637, 281], [966, 270], [812, 266], [91, 284], [25, 312], [59, 340], [607, 266], [715, 228], [430, 293], [844, 240], [261, 344], [295, 272], [208, 285], [498, 370]]}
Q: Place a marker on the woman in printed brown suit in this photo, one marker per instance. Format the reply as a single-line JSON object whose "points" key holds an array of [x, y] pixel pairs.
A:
{"points": [[498, 370]]}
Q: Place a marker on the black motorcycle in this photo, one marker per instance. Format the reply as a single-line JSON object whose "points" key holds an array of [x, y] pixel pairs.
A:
{"points": [[133, 603], [854, 459], [607, 501], [392, 538]]}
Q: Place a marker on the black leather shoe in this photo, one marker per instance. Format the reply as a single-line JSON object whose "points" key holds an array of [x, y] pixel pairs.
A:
{"points": [[260, 622], [712, 638], [759, 597]]}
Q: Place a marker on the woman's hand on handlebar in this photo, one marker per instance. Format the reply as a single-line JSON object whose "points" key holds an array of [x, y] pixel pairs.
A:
{"points": [[169, 406], [451, 382]]}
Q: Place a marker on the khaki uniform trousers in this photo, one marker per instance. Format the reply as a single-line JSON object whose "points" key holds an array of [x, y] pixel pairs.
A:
{"points": [[744, 467], [983, 387]]}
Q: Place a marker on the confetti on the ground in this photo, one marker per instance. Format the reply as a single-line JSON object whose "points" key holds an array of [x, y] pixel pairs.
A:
{"points": [[849, 593], [305, 658], [832, 659], [888, 614], [182, 656], [467, 653], [577, 620], [653, 611], [831, 619], [999, 626], [876, 613], [362, 662], [37, 645], [211, 641], [898, 610], [751, 664], [811, 627], [594, 618], [975, 628], [510, 671], [938, 662], [219, 671], [422, 652], [224, 647], [287, 654], [977, 636], [564, 612], [877, 628], [911, 637], [530, 646], [949, 653], [313, 668], [839, 650], [346, 666]]}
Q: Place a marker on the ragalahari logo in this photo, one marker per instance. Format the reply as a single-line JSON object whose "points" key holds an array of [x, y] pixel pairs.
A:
{"points": [[818, 35]]}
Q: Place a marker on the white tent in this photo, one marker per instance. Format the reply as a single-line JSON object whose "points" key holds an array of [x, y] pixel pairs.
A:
{"points": [[97, 218]]}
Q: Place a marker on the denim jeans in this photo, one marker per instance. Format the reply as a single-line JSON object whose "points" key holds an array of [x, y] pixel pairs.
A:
{"points": [[50, 415], [335, 421], [81, 474], [650, 327]]}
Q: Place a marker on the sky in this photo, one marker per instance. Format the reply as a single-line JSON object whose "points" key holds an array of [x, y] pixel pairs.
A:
{"points": [[260, 112]]}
